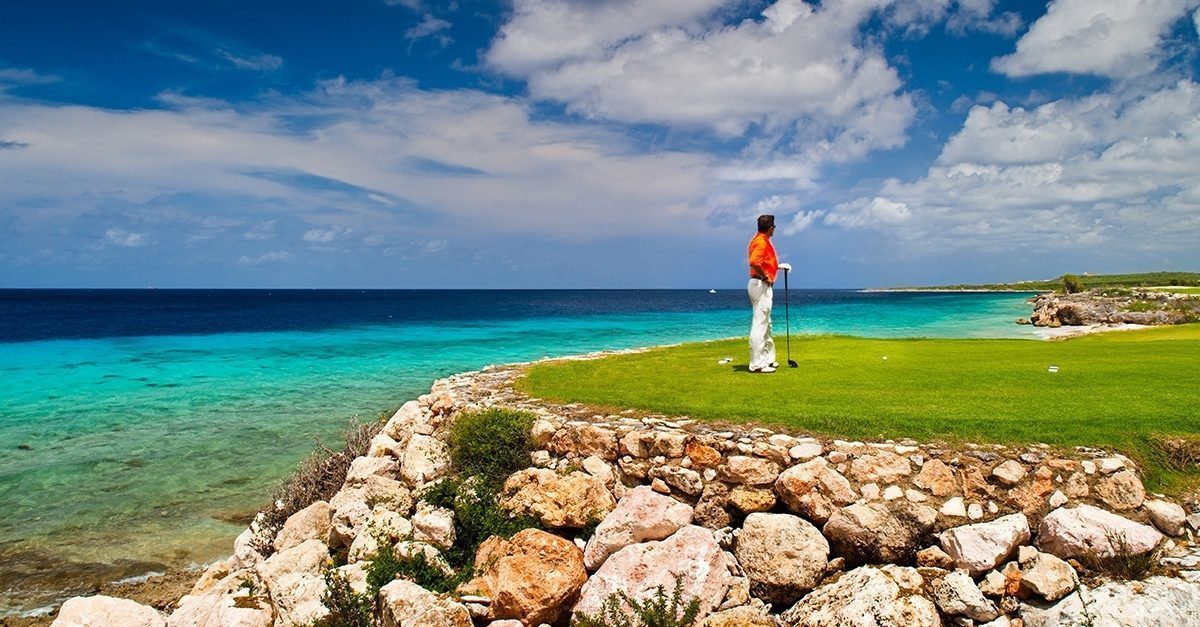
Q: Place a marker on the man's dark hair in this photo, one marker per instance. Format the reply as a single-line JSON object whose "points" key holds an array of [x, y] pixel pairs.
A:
{"points": [[765, 222]]}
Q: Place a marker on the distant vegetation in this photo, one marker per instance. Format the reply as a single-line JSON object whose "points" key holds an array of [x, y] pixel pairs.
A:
{"points": [[1082, 282]]}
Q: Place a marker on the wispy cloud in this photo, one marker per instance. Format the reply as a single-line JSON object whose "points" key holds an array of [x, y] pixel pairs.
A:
{"points": [[430, 26], [12, 145], [125, 239], [274, 256], [209, 51]]}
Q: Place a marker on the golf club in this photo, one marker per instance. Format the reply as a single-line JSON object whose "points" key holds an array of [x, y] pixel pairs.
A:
{"points": [[787, 320]]}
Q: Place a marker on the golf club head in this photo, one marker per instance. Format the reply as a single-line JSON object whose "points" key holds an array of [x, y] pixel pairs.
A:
{"points": [[792, 364]]}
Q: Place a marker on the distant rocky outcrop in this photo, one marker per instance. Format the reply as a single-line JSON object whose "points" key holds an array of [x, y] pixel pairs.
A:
{"points": [[760, 528], [1099, 307]]}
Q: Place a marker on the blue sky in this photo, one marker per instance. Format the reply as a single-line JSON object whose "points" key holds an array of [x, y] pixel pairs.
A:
{"points": [[594, 143]]}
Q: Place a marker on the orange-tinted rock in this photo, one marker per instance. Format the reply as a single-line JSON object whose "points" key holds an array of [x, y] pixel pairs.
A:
{"points": [[533, 578]]}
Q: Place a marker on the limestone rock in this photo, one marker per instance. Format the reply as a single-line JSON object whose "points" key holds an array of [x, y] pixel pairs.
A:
{"points": [[813, 489], [295, 582], [557, 501], [534, 578], [743, 616], [103, 611], [401, 425], [1167, 516], [690, 554], [685, 480], [405, 604], [750, 500], [982, 546], [702, 455], [363, 467], [740, 469], [1048, 577], [783, 555], [868, 596], [883, 467], [1121, 491], [1155, 602], [936, 477], [245, 555], [934, 557], [642, 515], [383, 524], [1069, 533], [311, 523], [669, 444], [350, 513], [1009, 473], [584, 440], [215, 572], [957, 595], [871, 533], [710, 509], [434, 525], [380, 490], [426, 458], [226, 603]]}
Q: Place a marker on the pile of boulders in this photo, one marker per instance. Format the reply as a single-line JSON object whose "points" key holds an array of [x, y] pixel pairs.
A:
{"points": [[758, 527], [1095, 307]]}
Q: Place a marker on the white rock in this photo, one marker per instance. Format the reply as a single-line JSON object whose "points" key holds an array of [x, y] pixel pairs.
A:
{"points": [[691, 556], [954, 508], [434, 525], [311, 523], [1069, 533], [1155, 602], [295, 581], [1089, 467], [915, 496], [1167, 516], [104, 611], [1048, 577], [892, 493], [806, 451], [1109, 465], [974, 511], [869, 597], [364, 467], [405, 604], [641, 515], [957, 595], [1058, 499], [1009, 473], [982, 546], [783, 555], [426, 458]]}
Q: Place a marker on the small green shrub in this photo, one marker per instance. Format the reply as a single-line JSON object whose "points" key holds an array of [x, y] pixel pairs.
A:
{"points": [[660, 610], [347, 608], [491, 444], [477, 516], [1072, 284], [386, 565]]}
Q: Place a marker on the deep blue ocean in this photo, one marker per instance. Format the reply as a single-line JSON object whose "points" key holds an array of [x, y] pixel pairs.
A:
{"points": [[140, 428]]}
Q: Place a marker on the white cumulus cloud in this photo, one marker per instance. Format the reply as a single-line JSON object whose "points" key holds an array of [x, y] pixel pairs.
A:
{"points": [[1114, 38], [1068, 174], [125, 239]]}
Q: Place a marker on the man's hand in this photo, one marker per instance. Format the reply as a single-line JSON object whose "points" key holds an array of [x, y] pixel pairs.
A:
{"points": [[786, 267]]}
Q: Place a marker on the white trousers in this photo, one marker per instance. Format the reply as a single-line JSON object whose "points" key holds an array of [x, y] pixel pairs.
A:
{"points": [[762, 347]]}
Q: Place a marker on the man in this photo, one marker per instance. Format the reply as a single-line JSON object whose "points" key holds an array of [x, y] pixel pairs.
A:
{"points": [[764, 265]]}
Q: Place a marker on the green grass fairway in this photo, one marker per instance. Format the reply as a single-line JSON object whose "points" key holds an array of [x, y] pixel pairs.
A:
{"points": [[1178, 290], [1111, 390]]}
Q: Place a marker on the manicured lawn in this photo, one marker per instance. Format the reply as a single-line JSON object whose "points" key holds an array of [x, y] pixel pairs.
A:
{"points": [[1111, 389]]}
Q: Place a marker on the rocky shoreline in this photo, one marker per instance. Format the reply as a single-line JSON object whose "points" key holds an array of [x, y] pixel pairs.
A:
{"points": [[759, 526], [1099, 307]]}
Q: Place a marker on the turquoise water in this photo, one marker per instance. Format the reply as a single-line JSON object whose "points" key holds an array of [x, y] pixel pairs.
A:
{"points": [[122, 455]]}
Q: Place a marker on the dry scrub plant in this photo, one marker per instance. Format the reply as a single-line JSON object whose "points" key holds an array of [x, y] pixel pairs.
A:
{"points": [[1124, 564], [317, 478]]}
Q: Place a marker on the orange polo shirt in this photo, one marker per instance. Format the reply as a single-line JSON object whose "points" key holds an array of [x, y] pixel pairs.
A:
{"points": [[762, 254]]}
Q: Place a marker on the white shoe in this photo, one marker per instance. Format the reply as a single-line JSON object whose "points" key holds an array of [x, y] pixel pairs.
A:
{"points": [[774, 364], [765, 369]]}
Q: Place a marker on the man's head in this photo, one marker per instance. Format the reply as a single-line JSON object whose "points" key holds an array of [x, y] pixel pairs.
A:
{"points": [[766, 222]]}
